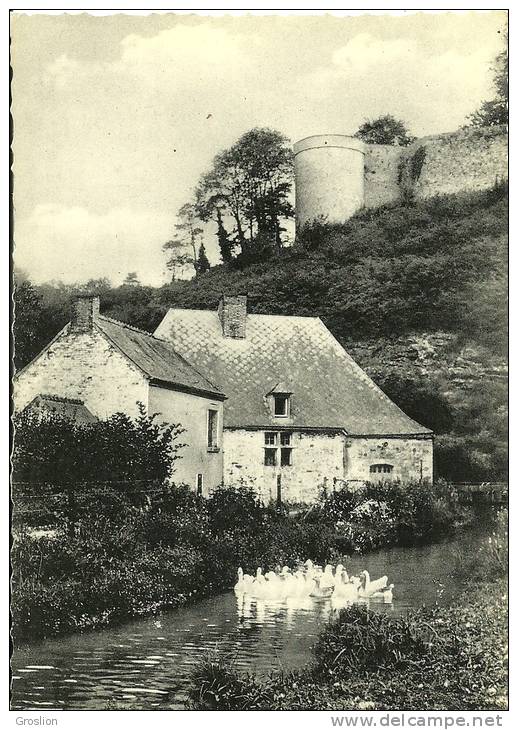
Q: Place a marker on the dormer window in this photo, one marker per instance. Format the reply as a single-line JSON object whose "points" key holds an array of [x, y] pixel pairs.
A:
{"points": [[281, 405], [279, 400]]}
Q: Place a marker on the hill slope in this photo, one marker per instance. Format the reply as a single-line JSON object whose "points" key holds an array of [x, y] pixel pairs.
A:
{"points": [[416, 292]]}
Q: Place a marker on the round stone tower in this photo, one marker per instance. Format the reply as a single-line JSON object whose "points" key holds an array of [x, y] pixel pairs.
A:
{"points": [[329, 175]]}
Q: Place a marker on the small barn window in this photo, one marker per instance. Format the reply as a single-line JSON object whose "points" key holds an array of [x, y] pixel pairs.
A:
{"points": [[199, 484], [285, 438], [212, 429], [270, 439], [270, 457], [381, 468]]}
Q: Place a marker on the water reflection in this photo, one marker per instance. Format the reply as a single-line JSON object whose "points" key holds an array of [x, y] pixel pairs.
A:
{"points": [[145, 664]]}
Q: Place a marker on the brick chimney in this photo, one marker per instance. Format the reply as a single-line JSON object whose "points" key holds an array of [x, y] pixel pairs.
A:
{"points": [[85, 308], [232, 314]]}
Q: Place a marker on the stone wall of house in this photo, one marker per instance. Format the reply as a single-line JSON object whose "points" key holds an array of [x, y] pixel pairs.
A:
{"points": [[382, 164], [191, 413], [316, 460], [322, 461], [86, 366], [411, 459]]}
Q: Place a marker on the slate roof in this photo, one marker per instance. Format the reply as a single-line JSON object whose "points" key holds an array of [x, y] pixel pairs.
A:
{"points": [[71, 409], [157, 359], [330, 391]]}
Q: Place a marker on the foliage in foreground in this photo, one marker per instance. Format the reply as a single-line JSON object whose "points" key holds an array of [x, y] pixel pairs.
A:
{"points": [[133, 560], [433, 659]]}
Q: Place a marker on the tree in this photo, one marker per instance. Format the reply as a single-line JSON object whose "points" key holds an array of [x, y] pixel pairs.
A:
{"points": [[384, 130], [250, 183], [188, 235], [131, 279], [495, 112], [226, 246], [203, 263], [28, 321]]}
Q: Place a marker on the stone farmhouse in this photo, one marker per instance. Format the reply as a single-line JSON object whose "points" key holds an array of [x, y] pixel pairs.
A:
{"points": [[274, 402]]}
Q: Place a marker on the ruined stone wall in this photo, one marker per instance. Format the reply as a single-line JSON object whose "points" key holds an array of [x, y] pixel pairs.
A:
{"points": [[467, 160], [382, 170], [86, 366]]}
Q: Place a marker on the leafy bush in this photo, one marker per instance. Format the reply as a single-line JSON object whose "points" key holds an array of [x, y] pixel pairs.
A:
{"points": [[233, 508], [119, 449], [362, 641], [216, 685]]}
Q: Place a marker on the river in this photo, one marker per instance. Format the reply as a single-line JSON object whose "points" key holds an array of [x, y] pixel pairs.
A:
{"points": [[145, 664]]}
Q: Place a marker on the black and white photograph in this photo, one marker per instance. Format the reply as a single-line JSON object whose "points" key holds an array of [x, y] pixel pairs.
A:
{"points": [[259, 377]]}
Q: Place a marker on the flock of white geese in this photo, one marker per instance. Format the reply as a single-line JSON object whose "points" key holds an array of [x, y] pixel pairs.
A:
{"points": [[311, 580]]}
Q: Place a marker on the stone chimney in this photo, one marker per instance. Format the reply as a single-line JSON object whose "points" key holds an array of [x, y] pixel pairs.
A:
{"points": [[85, 309], [232, 314]]}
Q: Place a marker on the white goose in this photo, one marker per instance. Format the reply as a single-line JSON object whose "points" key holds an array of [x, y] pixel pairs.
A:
{"points": [[368, 587], [385, 594], [240, 586]]}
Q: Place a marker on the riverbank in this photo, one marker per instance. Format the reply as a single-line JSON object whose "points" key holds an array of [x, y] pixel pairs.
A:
{"points": [[433, 659], [121, 562]]}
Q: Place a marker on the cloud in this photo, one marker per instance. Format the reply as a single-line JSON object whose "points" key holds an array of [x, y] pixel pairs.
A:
{"points": [[364, 52], [369, 76], [180, 50], [74, 244]]}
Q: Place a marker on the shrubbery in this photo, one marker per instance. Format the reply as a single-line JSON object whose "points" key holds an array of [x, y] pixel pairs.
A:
{"points": [[391, 513], [133, 560]]}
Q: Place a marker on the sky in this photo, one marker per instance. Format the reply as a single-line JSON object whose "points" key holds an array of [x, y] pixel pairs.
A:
{"points": [[116, 117]]}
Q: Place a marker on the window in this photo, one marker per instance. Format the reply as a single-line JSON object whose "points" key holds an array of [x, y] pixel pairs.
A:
{"points": [[286, 457], [212, 429], [275, 442], [281, 405], [270, 457], [199, 484], [381, 468]]}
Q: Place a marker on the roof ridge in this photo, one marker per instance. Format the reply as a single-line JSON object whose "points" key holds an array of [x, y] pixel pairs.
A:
{"points": [[248, 314], [61, 398], [130, 327]]}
